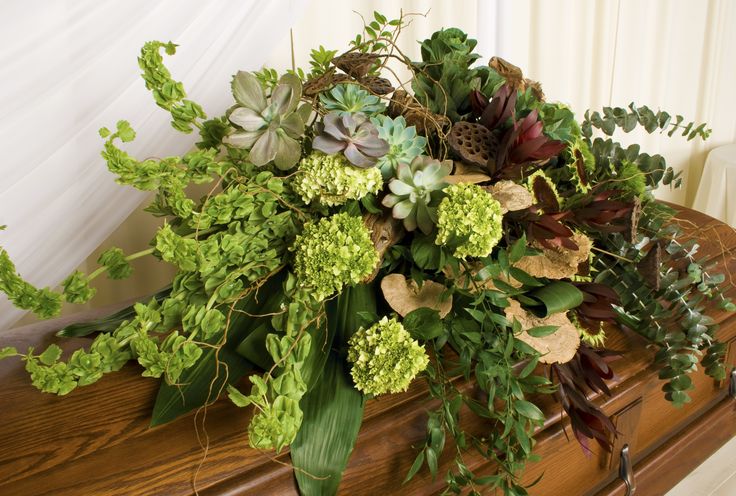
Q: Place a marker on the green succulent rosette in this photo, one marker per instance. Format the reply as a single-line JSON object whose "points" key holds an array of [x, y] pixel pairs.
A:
{"points": [[416, 192], [267, 127]]}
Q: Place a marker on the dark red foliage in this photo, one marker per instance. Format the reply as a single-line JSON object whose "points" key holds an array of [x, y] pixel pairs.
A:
{"points": [[478, 102], [601, 213], [586, 373], [500, 109], [546, 228], [525, 142], [598, 301]]}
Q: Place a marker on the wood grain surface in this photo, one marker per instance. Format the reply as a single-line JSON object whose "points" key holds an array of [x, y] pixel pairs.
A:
{"points": [[96, 440]]}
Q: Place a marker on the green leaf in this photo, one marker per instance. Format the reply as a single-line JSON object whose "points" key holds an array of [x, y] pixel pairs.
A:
{"points": [[322, 337], [253, 347], [201, 382], [541, 331], [8, 351], [555, 297], [529, 367], [238, 398], [343, 312], [528, 410], [423, 323], [333, 410], [418, 461], [425, 253], [476, 314], [50, 355], [518, 249]]}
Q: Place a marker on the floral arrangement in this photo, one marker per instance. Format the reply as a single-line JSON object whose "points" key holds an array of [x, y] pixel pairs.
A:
{"points": [[358, 236]]}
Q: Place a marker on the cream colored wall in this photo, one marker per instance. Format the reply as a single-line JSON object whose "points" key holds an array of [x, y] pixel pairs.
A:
{"points": [[675, 54]]}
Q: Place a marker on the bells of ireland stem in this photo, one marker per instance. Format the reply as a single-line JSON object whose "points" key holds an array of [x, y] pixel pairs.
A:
{"points": [[268, 127], [416, 191], [353, 135]]}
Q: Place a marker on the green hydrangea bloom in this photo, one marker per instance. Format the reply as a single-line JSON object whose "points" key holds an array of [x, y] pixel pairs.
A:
{"points": [[333, 252], [350, 99], [468, 220], [331, 180], [385, 358], [405, 145]]}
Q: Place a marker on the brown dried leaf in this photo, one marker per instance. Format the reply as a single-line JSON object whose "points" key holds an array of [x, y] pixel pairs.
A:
{"points": [[511, 196], [404, 296], [559, 262], [558, 347]]}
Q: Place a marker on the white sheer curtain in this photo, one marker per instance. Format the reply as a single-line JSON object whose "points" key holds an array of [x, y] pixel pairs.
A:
{"points": [[677, 55], [68, 68]]}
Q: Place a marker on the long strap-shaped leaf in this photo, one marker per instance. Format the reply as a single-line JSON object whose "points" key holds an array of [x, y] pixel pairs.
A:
{"points": [[333, 409], [557, 296], [204, 380]]}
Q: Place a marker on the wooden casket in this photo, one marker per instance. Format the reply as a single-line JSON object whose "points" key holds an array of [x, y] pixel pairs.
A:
{"points": [[97, 440]]}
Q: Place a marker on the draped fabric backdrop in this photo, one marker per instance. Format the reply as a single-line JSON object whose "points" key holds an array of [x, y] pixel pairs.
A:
{"points": [[68, 68], [677, 55]]}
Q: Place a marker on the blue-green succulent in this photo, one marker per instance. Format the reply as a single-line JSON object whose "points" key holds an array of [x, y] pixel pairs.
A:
{"points": [[404, 143]]}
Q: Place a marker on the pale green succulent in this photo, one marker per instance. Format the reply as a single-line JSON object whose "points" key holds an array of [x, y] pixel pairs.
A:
{"points": [[385, 358], [269, 127], [404, 143], [416, 191], [350, 99]]}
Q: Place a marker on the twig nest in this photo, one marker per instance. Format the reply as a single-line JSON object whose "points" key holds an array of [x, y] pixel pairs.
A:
{"points": [[511, 196], [558, 347], [377, 85], [417, 115], [357, 64], [559, 262], [404, 296], [474, 143]]}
